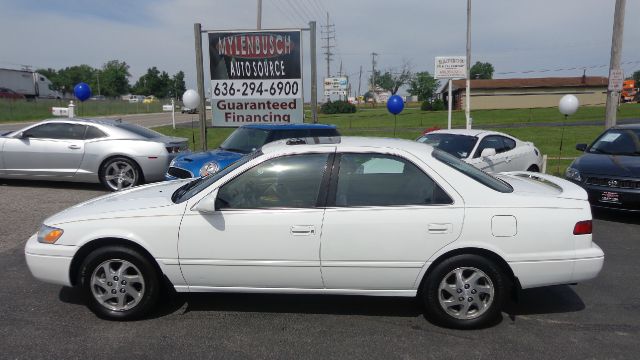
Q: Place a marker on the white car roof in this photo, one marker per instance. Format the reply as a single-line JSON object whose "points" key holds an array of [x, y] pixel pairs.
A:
{"points": [[469, 132], [350, 142]]}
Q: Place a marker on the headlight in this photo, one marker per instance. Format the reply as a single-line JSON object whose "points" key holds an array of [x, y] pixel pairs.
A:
{"points": [[49, 235], [209, 168], [573, 174]]}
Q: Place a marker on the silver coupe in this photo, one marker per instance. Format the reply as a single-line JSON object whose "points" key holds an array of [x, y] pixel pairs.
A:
{"points": [[117, 154]]}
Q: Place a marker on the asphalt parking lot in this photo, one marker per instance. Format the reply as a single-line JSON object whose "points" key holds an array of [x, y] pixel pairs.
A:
{"points": [[599, 319]]}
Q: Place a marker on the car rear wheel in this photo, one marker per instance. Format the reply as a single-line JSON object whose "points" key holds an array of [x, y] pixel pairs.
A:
{"points": [[119, 283], [464, 292], [120, 173]]}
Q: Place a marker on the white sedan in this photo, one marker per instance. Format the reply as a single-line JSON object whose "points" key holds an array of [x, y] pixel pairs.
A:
{"points": [[487, 150], [353, 216]]}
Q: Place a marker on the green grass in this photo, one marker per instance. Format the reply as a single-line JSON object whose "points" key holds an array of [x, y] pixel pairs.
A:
{"points": [[22, 110], [416, 118]]}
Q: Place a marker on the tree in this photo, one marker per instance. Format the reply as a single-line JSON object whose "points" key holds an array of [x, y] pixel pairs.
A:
{"points": [[70, 76], [392, 80], [149, 83], [423, 85], [636, 77], [114, 78], [482, 70], [179, 86]]}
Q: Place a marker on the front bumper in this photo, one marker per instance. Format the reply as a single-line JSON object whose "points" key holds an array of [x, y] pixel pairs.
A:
{"points": [[618, 198], [49, 262], [585, 266]]}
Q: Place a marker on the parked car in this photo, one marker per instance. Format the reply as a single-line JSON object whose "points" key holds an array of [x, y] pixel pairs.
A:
{"points": [[356, 216], [242, 141], [186, 110], [487, 150], [98, 98], [115, 153], [609, 169], [10, 94], [150, 99]]}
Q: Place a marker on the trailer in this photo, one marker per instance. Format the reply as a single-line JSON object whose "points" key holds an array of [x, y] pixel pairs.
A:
{"points": [[28, 83]]}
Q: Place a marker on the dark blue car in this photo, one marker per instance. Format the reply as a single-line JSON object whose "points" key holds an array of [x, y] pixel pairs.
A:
{"points": [[610, 169], [242, 141]]}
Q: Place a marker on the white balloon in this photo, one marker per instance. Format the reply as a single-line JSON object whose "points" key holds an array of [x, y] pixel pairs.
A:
{"points": [[569, 104], [191, 99]]}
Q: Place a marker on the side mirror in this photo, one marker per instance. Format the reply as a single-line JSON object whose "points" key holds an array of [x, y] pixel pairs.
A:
{"points": [[207, 205], [488, 152], [581, 147]]}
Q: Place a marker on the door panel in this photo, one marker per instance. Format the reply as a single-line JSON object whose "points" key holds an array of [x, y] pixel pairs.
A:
{"points": [[251, 248], [42, 157], [383, 248]]}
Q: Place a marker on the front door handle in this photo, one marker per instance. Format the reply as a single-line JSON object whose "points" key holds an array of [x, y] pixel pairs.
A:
{"points": [[440, 228], [303, 230], [74, 147]]}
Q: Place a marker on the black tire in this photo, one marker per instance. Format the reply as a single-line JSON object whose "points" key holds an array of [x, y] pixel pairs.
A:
{"points": [[465, 319], [533, 168], [134, 307], [119, 173]]}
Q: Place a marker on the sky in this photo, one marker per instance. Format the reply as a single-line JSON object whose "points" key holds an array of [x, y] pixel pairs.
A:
{"points": [[521, 38]]}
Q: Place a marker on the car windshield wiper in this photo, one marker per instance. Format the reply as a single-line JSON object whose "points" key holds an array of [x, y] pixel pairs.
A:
{"points": [[235, 150]]}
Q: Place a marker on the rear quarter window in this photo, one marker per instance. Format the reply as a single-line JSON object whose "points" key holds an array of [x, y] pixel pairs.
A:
{"points": [[472, 172]]}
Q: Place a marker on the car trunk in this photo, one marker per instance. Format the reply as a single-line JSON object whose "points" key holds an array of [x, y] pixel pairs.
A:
{"points": [[536, 184]]}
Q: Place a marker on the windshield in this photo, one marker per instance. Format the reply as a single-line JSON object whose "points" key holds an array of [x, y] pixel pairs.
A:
{"points": [[472, 172], [188, 190], [245, 140], [459, 146], [139, 130], [618, 142]]}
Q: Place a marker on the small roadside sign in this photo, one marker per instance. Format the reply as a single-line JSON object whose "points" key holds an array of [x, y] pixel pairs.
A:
{"points": [[616, 79], [450, 67]]}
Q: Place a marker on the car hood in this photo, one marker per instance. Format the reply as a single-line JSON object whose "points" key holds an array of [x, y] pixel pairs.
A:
{"points": [[123, 204], [194, 161], [611, 165]]}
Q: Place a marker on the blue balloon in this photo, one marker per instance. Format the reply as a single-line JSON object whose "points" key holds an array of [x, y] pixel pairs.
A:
{"points": [[82, 91], [395, 104]]}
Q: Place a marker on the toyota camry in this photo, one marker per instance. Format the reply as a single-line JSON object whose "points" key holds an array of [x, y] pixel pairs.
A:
{"points": [[352, 216]]}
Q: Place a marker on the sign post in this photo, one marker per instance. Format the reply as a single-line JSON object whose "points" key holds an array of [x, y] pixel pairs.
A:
{"points": [[450, 67]]}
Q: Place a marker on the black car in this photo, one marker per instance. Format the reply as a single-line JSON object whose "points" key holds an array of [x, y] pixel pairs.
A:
{"points": [[610, 168]]}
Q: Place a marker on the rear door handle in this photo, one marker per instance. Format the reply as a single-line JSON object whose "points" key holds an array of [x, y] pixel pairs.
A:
{"points": [[440, 228], [74, 147], [303, 230]]}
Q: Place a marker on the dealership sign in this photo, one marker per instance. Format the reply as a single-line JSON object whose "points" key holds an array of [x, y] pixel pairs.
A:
{"points": [[336, 86], [450, 67], [256, 77]]}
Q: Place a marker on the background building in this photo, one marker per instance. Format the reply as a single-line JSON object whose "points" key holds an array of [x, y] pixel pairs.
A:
{"points": [[528, 93]]}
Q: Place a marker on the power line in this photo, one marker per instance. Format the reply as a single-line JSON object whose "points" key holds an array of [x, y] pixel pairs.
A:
{"points": [[287, 14], [565, 69]]}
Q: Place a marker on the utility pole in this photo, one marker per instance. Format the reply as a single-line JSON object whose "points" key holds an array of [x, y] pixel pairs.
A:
{"points": [[613, 97], [373, 75], [314, 73], [467, 110], [359, 82], [202, 109], [340, 75], [330, 34], [259, 26]]}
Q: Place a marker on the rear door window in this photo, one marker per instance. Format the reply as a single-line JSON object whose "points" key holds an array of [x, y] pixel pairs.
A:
{"points": [[384, 180]]}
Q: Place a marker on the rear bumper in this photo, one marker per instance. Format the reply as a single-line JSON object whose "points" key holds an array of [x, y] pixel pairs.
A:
{"points": [[49, 263], [587, 265]]}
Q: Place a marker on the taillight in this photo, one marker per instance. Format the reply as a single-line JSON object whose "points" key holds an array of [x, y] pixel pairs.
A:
{"points": [[583, 227]]}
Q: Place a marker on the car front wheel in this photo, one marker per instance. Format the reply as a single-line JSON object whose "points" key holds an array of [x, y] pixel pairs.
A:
{"points": [[464, 292], [119, 283]]}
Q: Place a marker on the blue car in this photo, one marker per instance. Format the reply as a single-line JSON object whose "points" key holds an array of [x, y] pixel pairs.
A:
{"points": [[242, 141]]}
